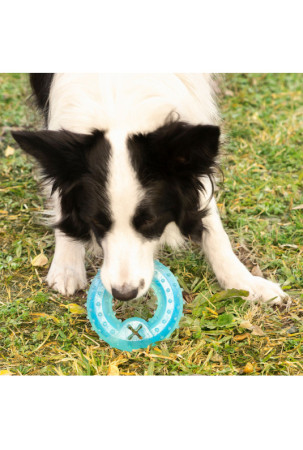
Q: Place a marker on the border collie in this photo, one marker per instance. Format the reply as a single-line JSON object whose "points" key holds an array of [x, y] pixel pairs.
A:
{"points": [[130, 163]]}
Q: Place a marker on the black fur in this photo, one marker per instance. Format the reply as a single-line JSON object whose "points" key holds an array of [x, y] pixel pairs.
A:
{"points": [[41, 84], [169, 163], [77, 164]]}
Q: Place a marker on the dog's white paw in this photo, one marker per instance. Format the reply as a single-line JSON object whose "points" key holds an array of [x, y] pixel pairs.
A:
{"points": [[66, 279], [266, 291], [260, 289]]}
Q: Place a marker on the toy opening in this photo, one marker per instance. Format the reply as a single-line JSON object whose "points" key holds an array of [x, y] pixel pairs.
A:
{"points": [[143, 307]]}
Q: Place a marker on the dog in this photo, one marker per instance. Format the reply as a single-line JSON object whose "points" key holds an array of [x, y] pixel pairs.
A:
{"points": [[129, 163]]}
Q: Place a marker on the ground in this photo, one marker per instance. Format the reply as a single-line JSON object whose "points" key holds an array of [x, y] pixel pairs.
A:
{"points": [[45, 333]]}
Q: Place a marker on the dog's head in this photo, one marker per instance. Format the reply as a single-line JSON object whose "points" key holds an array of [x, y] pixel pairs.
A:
{"points": [[127, 190]]}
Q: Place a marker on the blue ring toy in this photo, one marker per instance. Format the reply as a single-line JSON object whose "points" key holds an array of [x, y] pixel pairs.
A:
{"points": [[135, 333]]}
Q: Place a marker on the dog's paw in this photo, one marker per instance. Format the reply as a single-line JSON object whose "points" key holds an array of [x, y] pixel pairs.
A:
{"points": [[260, 289], [266, 291], [65, 279]]}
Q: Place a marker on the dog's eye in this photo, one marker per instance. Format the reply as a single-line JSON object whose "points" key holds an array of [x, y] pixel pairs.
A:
{"points": [[98, 227], [148, 221], [145, 221]]}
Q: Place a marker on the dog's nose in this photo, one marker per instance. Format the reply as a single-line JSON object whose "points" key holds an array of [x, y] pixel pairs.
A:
{"points": [[124, 293]]}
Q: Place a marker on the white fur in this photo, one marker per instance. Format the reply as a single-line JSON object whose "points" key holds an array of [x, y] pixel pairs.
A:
{"points": [[133, 102], [230, 272], [67, 272], [128, 258], [124, 104]]}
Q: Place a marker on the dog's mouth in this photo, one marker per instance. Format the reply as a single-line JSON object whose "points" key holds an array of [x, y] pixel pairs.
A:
{"points": [[143, 307]]}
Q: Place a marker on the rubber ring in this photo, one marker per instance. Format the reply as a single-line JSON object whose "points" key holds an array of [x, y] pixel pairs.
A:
{"points": [[136, 333]]}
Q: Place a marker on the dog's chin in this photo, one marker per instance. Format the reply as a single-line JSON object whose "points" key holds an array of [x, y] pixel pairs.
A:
{"points": [[143, 291]]}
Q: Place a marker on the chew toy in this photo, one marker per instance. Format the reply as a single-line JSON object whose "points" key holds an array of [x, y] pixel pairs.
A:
{"points": [[135, 333]]}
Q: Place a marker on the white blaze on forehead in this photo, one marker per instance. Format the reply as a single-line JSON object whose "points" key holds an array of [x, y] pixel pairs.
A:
{"points": [[128, 257], [124, 189]]}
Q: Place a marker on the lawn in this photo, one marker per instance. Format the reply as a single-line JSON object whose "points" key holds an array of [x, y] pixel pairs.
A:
{"points": [[45, 333]]}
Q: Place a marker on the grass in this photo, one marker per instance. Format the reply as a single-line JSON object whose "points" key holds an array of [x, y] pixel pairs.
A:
{"points": [[43, 333]]}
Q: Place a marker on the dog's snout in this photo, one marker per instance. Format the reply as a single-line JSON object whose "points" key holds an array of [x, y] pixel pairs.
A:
{"points": [[124, 293]]}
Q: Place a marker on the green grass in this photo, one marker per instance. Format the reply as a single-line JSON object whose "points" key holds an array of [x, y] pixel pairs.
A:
{"points": [[220, 334]]}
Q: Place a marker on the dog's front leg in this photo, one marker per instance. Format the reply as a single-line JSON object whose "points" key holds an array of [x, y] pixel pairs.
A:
{"points": [[230, 272], [67, 272]]}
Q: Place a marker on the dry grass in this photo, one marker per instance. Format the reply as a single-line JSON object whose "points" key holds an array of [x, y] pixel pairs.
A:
{"points": [[220, 333]]}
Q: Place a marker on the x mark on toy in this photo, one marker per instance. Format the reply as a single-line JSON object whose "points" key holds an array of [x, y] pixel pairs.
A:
{"points": [[134, 332]]}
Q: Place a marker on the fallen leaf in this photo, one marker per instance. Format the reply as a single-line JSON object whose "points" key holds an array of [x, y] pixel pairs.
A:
{"points": [[76, 309], [241, 337], [47, 316], [39, 260], [257, 331], [5, 372], [256, 271], [249, 368], [246, 325], [298, 207], [216, 358], [113, 370], [9, 151], [2, 211]]}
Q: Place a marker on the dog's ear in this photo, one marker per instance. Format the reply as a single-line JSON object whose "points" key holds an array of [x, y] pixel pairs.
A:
{"points": [[61, 154], [181, 148]]}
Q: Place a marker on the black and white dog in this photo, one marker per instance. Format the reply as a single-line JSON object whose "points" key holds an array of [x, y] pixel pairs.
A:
{"points": [[130, 164]]}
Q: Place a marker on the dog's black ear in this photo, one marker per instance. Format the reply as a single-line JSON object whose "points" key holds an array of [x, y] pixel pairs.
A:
{"points": [[62, 154], [179, 147], [192, 147]]}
